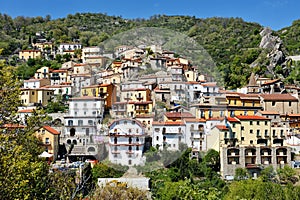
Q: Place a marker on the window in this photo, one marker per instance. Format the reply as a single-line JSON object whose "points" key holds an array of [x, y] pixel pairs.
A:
{"points": [[251, 131], [257, 123], [242, 138], [80, 122], [70, 123], [47, 141], [266, 132], [90, 122], [273, 103], [137, 148], [235, 102], [225, 135], [133, 122], [257, 133], [125, 122], [251, 122], [242, 128], [129, 162], [290, 103], [157, 138], [179, 138], [137, 139], [233, 125]]}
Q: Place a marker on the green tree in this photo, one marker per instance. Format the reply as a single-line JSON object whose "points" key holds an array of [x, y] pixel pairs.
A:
{"points": [[22, 174], [241, 174]]}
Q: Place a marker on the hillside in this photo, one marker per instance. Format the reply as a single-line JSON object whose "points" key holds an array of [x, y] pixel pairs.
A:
{"points": [[232, 43]]}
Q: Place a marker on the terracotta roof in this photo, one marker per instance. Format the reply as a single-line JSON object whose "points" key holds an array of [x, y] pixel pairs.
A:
{"points": [[194, 120], [278, 97], [145, 116], [179, 115], [51, 130], [169, 123], [209, 84], [232, 119], [13, 126], [26, 111], [294, 115], [271, 82], [251, 117], [222, 127]]}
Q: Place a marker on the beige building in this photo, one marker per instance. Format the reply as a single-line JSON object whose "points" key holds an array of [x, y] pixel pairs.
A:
{"points": [[281, 103], [27, 54], [38, 96], [49, 138]]}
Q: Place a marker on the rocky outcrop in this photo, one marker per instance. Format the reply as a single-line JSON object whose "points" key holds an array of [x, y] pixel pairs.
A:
{"points": [[274, 47]]}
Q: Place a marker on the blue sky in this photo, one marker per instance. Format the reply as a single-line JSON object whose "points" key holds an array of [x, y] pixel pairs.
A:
{"points": [[273, 13]]}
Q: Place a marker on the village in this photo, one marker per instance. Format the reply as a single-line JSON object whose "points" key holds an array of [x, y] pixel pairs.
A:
{"points": [[116, 111]]}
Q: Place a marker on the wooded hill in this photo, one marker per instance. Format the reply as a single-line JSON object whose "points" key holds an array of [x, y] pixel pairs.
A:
{"points": [[232, 43]]}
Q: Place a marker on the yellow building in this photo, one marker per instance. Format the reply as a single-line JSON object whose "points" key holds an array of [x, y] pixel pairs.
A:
{"points": [[38, 96], [27, 54], [106, 91], [49, 138], [242, 104], [139, 101]]}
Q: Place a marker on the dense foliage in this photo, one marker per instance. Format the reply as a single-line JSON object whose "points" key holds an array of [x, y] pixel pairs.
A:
{"points": [[225, 39]]}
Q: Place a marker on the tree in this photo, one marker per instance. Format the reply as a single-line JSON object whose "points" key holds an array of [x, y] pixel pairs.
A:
{"points": [[22, 174], [241, 174], [287, 174], [212, 159], [115, 190]]}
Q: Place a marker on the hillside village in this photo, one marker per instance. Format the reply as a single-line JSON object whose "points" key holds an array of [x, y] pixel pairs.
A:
{"points": [[120, 104]]}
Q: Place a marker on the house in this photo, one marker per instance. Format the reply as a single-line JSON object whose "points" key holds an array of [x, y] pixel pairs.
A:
{"points": [[82, 135], [138, 101], [282, 103], [36, 96], [248, 142], [42, 73], [60, 76], [168, 134], [24, 113], [30, 54], [68, 47], [35, 83], [242, 104], [126, 142], [90, 52], [49, 138], [105, 91]]}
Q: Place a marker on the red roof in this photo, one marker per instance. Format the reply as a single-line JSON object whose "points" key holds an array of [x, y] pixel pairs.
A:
{"points": [[179, 115], [251, 117], [195, 120], [51, 130], [278, 97], [26, 111], [222, 127], [232, 119], [169, 123]]}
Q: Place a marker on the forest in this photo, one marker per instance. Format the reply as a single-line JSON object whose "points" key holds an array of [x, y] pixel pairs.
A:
{"points": [[232, 43]]}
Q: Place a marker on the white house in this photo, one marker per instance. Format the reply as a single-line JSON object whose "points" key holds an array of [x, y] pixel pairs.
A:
{"points": [[83, 124], [126, 142]]}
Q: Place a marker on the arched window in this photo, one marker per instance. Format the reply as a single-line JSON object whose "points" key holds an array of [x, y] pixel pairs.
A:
{"points": [[72, 132]]}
